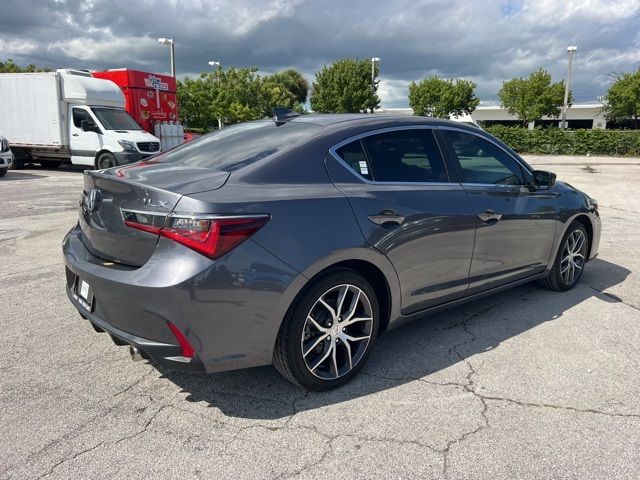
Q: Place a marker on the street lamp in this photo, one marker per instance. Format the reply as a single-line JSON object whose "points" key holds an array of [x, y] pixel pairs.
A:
{"points": [[563, 124], [218, 65], [169, 41], [374, 60]]}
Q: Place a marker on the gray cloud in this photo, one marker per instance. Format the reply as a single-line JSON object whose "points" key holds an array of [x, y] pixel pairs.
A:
{"points": [[486, 41]]}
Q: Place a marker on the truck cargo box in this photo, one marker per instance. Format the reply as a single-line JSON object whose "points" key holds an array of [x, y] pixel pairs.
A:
{"points": [[34, 106], [31, 110]]}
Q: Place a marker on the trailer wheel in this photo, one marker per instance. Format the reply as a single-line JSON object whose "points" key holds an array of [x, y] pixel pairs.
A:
{"points": [[105, 160]]}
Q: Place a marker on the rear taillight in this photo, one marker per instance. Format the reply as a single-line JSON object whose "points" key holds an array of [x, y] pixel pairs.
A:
{"points": [[212, 236]]}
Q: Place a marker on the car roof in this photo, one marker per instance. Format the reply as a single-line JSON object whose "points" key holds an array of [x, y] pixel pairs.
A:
{"points": [[353, 119]]}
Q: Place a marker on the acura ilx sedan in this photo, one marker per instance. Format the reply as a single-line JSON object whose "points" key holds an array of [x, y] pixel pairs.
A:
{"points": [[297, 241]]}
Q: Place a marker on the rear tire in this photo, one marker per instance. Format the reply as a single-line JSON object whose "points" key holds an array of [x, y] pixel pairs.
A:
{"points": [[49, 164], [570, 259], [105, 160], [329, 332]]}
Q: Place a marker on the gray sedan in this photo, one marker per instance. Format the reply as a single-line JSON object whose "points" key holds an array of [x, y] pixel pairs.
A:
{"points": [[297, 241]]}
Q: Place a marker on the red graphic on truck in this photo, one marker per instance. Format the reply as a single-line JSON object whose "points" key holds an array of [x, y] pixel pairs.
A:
{"points": [[150, 97]]}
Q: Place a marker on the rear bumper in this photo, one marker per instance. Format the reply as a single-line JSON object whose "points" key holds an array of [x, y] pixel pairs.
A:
{"points": [[163, 354], [229, 310]]}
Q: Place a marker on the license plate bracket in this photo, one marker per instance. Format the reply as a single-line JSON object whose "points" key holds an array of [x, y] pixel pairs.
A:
{"points": [[83, 293]]}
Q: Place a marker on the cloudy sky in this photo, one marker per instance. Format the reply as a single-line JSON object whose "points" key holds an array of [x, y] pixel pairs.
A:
{"points": [[488, 41]]}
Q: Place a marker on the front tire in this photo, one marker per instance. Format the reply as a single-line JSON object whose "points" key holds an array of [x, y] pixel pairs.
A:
{"points": [[3, 172], [105, 160], [329, 332], [570, 260]]}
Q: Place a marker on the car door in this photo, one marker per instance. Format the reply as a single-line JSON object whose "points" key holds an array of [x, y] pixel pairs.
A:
{"points": [[410, 208], [84, 145], [515, 225]]}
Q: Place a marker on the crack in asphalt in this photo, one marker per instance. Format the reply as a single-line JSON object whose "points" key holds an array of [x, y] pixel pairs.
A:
{"points": [[102, 443], [611, 296]]}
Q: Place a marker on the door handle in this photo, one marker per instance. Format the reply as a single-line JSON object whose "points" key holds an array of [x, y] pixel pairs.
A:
{"points": [[490, 215], [386, 216], [75, 135]]}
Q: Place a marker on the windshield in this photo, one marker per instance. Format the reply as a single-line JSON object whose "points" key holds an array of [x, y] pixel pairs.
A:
{"points": [[239, 145], [115, 119]]}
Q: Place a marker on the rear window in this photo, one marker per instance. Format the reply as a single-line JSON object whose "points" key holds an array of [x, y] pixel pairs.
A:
{"points": [[239, 145]]}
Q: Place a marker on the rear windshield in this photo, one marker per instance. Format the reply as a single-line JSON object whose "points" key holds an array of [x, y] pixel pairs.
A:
{"points": [[239, 145]]}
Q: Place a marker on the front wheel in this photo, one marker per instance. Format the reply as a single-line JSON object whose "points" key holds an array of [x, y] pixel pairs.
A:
{"points": [[570, 260], [329, 332], [105, 160], [3, 172]]}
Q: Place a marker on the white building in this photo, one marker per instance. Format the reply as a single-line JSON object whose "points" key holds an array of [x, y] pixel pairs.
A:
{"points": [[578, 116]]}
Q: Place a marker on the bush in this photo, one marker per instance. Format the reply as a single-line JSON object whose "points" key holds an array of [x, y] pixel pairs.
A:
{"points": [[554, 141]]}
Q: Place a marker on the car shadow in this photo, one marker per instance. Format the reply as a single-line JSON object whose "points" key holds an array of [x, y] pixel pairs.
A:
{"points": [[21, 175], [418, 350]]}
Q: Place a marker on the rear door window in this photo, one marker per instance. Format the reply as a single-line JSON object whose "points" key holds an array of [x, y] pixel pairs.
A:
{"points": [[405, 156], [353, 154]]}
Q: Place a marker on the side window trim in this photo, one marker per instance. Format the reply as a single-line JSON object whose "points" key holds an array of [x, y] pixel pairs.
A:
{"points": [[361, 136], [526, 173]]}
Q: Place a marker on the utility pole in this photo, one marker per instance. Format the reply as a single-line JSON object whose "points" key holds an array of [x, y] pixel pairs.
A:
{"points": [[563, 124]]}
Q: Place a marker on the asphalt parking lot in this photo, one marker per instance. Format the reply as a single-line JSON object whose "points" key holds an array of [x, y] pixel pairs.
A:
{"points": [[524, 384]]}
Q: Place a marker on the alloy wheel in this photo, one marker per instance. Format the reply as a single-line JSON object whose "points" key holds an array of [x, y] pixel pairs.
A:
{"points": [[337, 331], [573, 257]]}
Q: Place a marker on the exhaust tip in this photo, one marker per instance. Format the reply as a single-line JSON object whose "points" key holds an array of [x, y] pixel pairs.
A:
{"points": [[136, 356]]}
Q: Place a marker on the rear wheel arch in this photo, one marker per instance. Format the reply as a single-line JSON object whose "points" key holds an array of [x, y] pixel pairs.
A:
{"points": [[371, 272]]}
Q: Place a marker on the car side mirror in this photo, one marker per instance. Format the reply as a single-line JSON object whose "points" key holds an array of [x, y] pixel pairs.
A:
{"points": [[89, 126], [543, 179]]}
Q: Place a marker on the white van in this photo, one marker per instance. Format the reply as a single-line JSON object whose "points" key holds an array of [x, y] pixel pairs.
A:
{"points": [[6, 158], [69, 115]]}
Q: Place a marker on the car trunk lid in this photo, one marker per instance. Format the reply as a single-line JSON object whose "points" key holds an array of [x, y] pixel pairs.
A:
{"points": [[150, 191]]}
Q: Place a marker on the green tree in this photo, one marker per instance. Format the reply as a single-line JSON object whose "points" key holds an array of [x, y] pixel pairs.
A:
{"points": [[622, 101], [287, 89], [11, 67], [438, 97], [237, 95], [345, 87], [534, 97]]}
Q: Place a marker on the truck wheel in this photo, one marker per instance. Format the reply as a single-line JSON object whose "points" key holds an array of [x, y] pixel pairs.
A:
{"points": [[105, 160], [49, 163], [17, 164], [3, 172]]}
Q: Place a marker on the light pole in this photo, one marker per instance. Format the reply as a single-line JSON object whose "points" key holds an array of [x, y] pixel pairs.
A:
{"points": [[563, 124], [169, 41], [374, 60], [218, 65]]}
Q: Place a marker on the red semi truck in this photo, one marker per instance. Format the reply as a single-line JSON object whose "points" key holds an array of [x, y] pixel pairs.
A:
{"points": [[150, 97]]}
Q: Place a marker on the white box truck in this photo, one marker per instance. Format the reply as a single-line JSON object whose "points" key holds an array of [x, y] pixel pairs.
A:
{"points": [[69, 115]]}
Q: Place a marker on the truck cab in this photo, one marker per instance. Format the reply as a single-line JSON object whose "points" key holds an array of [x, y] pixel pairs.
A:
{"points": [[107, 136]]}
